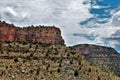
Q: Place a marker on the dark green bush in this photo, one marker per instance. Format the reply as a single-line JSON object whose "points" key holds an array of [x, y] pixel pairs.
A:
{"points": [[76, 73], [15, 59], [58, 70]]}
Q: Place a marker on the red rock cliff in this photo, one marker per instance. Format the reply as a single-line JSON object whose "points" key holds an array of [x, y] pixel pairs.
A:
{"points": [[39, 34]]}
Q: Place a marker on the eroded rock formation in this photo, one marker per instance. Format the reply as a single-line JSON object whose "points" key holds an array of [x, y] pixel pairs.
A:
{"points": [[39, 34]]}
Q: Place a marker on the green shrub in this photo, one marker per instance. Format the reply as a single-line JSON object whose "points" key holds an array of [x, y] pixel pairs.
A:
{"points": [[6, 67], [71, 61], [47, 54], [89, 70], [0, 43], [30, 45], [48, 66], [53, 58], [73, 52], [98, 78], [15, 59], [31, 54], [79, 62], [37, 71], [24, 60], [31, 71], [60, 65], [58, 70], [36, 46], [24, 42], [68, 55], [76, 73], [28, 57], [56, 52], [1, 51]]}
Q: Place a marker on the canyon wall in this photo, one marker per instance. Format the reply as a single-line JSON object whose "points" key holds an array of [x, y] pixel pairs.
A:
{"points": [[39, 34]]}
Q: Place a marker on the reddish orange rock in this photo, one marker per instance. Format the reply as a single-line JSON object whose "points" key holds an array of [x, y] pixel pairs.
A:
{"points": [[7, 32], [39, 34]]}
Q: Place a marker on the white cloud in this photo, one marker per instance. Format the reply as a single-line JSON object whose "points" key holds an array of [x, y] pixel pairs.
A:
{"points": [[11, 11], [106, 36], [99, 7], [115, 20], [9, 14]]}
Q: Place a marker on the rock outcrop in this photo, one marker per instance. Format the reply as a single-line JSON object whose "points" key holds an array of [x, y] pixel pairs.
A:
{"points": [[39, 34]]}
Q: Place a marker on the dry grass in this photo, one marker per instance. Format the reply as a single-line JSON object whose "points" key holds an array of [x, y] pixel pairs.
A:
{"points": [[53, 62]]}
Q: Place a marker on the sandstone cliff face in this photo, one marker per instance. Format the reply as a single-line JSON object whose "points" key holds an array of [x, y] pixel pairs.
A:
{"points": [[39, 34], [6, 32]]}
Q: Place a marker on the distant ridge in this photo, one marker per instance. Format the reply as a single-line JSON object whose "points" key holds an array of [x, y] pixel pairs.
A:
{"points": [[90, 48], [106, 57]]}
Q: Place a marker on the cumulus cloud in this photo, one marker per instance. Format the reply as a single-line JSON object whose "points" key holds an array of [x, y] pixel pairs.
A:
{"points": [[11, 15], [110, 38], [102, 36], [116, 19]]}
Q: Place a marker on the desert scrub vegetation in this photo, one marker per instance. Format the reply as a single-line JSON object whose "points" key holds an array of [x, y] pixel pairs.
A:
{"points": [[32, 61]]}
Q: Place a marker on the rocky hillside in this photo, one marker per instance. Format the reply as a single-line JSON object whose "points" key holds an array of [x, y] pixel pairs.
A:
{"points": [[106, 57], [39, 34], [33, 61]]}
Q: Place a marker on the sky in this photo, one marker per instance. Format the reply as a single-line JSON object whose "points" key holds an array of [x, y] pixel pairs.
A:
{"points": [[81, 21]]}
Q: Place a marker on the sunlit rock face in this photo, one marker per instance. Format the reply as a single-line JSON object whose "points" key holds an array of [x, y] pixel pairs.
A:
{"points": [[7, 32], [39, 34]]}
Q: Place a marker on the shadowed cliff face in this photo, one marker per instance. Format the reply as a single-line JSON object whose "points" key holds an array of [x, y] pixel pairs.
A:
{"points": [[39, 34]]}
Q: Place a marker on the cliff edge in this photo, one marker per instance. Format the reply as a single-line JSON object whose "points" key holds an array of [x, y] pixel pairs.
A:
{"points": [[39, 34]]}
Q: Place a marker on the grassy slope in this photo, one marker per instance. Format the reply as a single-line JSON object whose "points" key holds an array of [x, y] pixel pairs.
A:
{"points": [[34, 62]]}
